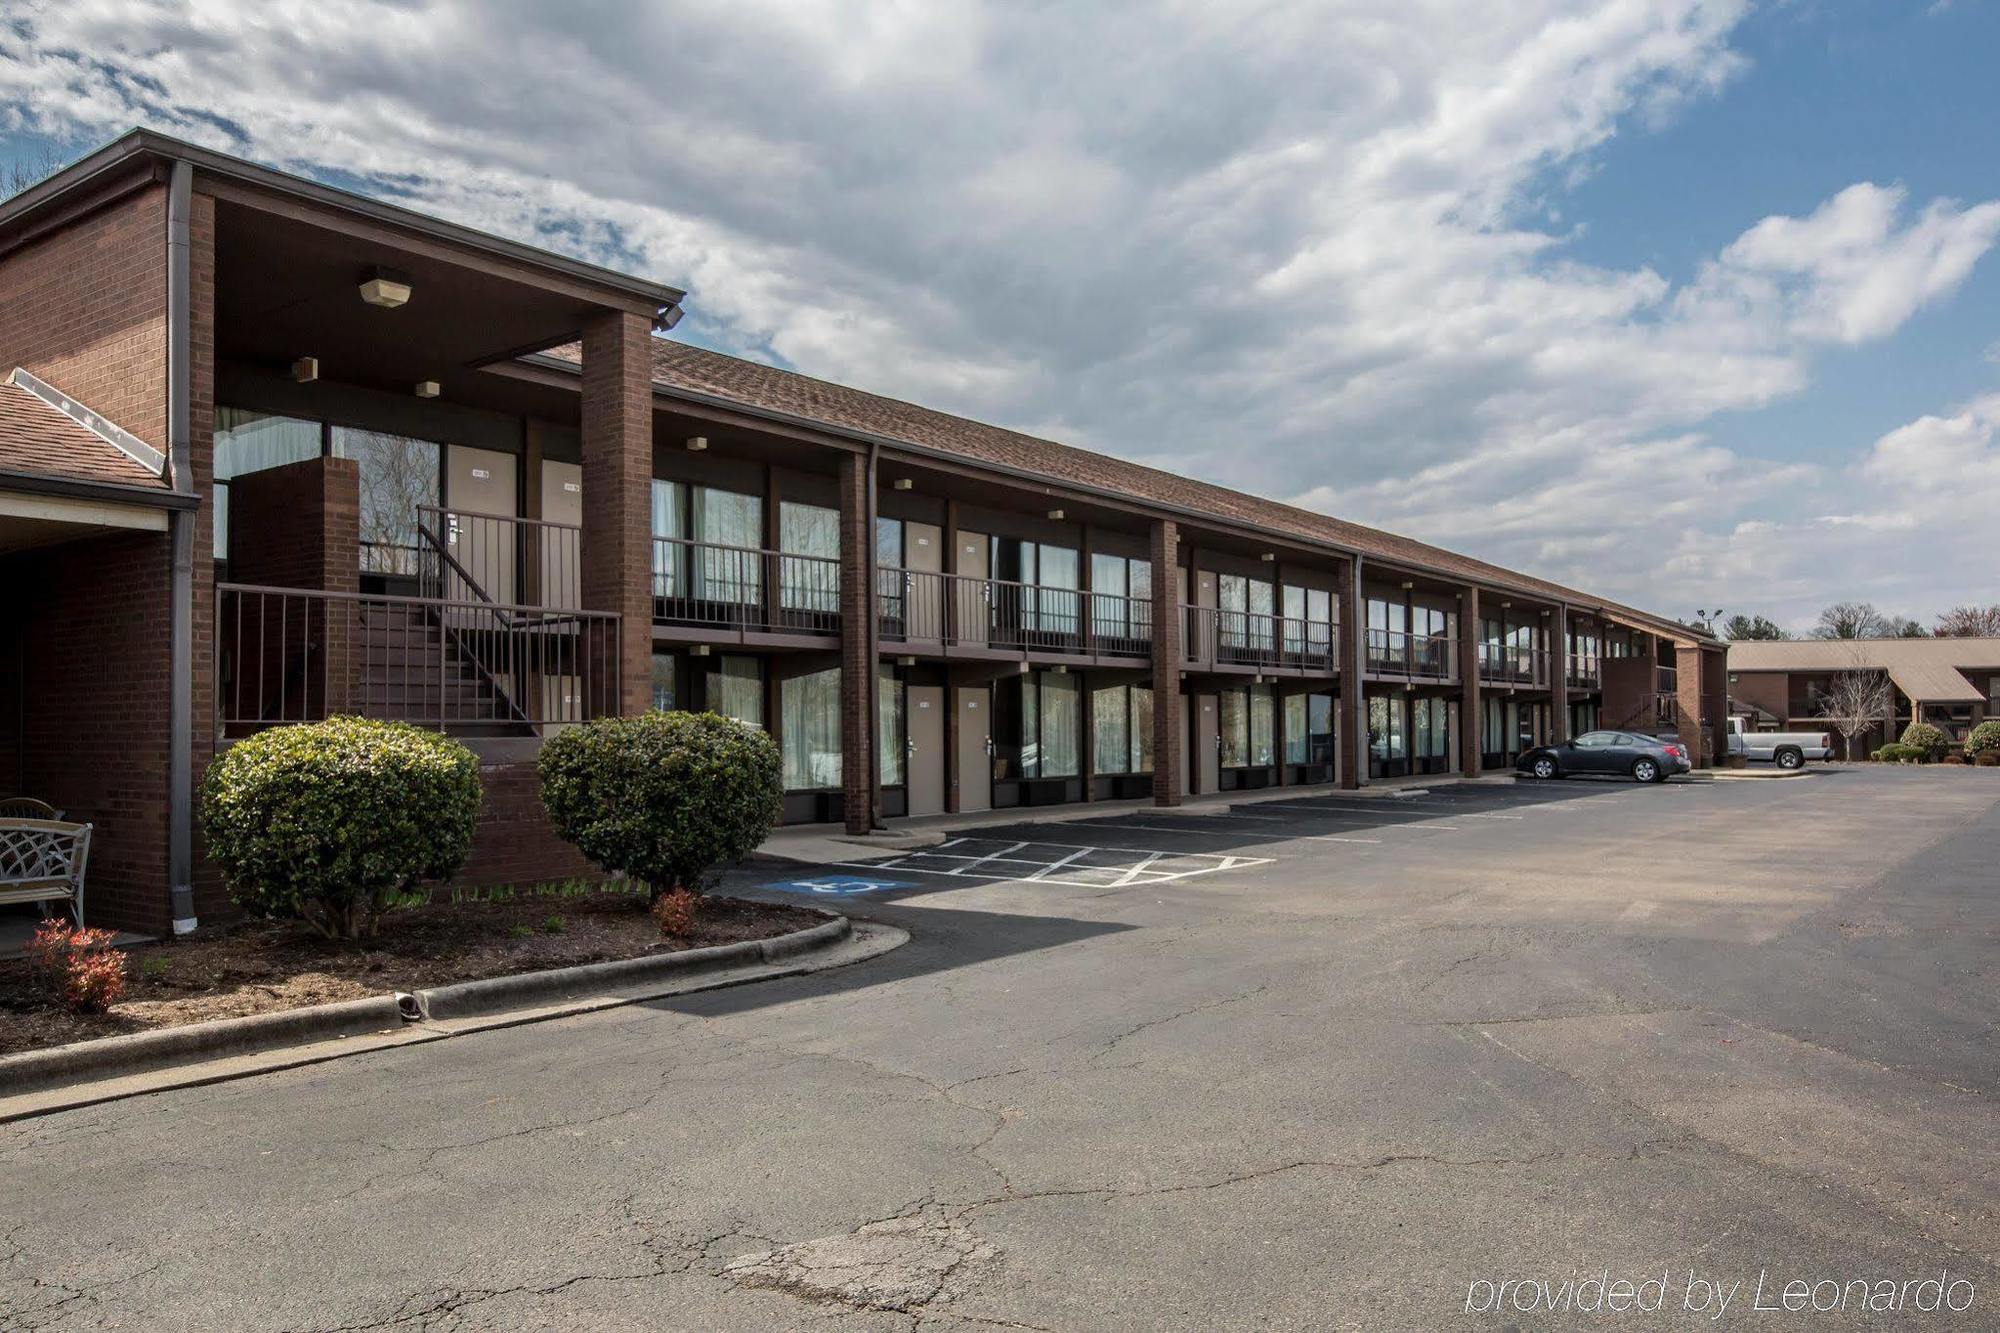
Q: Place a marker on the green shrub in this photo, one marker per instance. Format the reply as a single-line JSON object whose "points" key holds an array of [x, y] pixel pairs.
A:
{"points": [[666, 798], [335, 822], [1927, 740], [1984, 739], [1896, 753]]}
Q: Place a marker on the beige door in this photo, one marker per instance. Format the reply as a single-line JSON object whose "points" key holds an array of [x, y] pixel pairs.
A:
{"points": [[972, 596], [925, 720], [1207, 750], [923, 556], [975, 748], [480, 486], [561, 553]]}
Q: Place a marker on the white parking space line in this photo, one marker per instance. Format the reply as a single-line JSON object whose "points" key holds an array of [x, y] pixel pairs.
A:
{"points": [[1075, 865], [1130, 875], [1054, 866], [1482, 814]]}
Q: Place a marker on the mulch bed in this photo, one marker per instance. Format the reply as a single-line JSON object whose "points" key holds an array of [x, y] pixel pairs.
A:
{"points": [[258, 966]]}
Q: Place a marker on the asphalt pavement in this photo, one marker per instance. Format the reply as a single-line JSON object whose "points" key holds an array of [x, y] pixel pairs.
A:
{"points": [[1333, 1062]]}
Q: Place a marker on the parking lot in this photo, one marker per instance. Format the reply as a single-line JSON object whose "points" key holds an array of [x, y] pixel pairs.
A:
{"points": [[1324, 1062]]}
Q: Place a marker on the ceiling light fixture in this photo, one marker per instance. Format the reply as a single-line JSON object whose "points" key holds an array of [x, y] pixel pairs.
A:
{"points": [[387, 288], [306, 369], [697, 443], [427, 388]]}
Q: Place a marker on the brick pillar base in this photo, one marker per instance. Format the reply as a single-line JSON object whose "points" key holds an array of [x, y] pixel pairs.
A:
{"points": [[1471, 754], [857, 565], [1168, 780], [617, 413]]}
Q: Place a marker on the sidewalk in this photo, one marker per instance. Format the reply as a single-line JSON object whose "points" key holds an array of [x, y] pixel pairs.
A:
{"points": [[830, 844]]}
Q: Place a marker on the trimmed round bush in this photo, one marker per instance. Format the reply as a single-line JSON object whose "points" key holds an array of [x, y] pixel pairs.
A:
{"points": [[1895, 752], [1984, 739], [335, 822], [666, 798], [1926, 740]]}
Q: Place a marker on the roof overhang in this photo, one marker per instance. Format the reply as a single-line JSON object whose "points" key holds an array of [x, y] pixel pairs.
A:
{"points": [[1935, 684]]}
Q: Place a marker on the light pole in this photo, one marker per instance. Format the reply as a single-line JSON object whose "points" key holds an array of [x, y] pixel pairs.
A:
{"points": [[1707, 619]]}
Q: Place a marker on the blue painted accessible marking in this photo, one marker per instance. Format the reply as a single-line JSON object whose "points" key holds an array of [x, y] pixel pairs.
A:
{"points": [[837, 886]]}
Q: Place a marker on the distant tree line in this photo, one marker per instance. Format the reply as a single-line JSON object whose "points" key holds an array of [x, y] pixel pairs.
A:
{"points": [[1861, 620]]}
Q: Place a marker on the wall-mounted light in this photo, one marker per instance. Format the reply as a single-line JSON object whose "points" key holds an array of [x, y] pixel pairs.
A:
{"points": [[903, 484], [1060, 670], [906, 661], [697, 443], [306, 369], [387, 288], [427, 388], [1407, 585], [1055, 513], [1268, 557], [699, 650], [1506, 606]]}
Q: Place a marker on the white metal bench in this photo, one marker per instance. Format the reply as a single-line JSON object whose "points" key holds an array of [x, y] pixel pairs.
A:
{"points": [[42, 860]]}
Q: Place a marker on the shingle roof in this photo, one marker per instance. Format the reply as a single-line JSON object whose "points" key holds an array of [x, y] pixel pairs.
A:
{"points": [[678, 366], [38, 437], [1931, 683], [1845, 654]]}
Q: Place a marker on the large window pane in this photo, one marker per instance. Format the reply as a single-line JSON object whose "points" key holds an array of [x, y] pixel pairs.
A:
{"points": [[669, 559], [1142, 729], [1111, 730], [398, 476], [1062, 726], [731, 528], [1262, 739], [889, 746], [1057, 575], [251, 442], [1295, 729], [809, 575], [665, 680], [1233, 722], [735, 688], [1319, 728], [809, 716]]}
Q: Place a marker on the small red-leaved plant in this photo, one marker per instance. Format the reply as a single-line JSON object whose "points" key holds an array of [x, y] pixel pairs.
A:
{"points": [[78, 965], [675, 913]]}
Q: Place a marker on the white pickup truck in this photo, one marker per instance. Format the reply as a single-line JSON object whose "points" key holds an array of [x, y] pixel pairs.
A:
{"points": [[1787, 749]]}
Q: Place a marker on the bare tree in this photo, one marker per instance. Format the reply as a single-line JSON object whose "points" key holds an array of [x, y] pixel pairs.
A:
{"points": [[1850, 620], [1856, 700], [1970, 622], [28, 169]]}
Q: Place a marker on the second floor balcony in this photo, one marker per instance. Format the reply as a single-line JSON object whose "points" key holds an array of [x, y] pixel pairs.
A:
{"points": [[1397, 655], [1586, 672], [1513, 664], [1220, 639]]}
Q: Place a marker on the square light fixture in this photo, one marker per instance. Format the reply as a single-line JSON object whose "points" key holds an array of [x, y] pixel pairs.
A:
{"points": [[386, 288], [427, 388], [306, 369], [903, 484], [697, 443], [1055, 513]]}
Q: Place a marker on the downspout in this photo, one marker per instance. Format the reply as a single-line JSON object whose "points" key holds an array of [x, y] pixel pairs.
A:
{"points": [[180, 601], [874, 650]]}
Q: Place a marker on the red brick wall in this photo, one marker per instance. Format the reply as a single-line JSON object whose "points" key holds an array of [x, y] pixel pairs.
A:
{"points": [[86, 309], [298, 526], [514, 844], [617, 412], [1164, 550], [85, 635], [857, 600]]}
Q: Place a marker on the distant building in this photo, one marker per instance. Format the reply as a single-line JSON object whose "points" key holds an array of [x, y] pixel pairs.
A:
{"points": [[1951, 683]]}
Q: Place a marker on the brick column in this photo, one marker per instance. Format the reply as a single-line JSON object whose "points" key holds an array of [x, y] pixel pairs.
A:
{"points": [[1470, 753], [1715, 700], [1687, 702], [617, 412], [1353, 640], [857, 572], [1168, 781], [1559, 675]]}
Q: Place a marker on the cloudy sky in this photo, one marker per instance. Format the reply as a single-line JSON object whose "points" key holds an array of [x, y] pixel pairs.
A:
{"points": [[1690, 303]]}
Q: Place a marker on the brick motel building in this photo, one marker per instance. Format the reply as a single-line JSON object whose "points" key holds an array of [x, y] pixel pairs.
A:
{"points": [[270, 451]]}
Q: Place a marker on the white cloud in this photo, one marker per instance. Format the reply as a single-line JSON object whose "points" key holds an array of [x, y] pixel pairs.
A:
{"points": [[1309, 250]]}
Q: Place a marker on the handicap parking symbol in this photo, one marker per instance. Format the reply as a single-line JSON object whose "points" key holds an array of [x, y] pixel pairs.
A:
{"points": [[837, 886]]}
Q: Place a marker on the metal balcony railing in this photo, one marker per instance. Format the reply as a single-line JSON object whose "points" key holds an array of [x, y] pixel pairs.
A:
{"points": [[1585, 672], [463, 556], [740, 588], [288, 655], [924, 607], [1213, 636], [1404, 656], [1512, 664]]}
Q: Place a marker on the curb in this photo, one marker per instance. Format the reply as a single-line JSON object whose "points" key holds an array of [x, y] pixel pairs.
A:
{"points": [[148, 1052], [468, 998]]}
